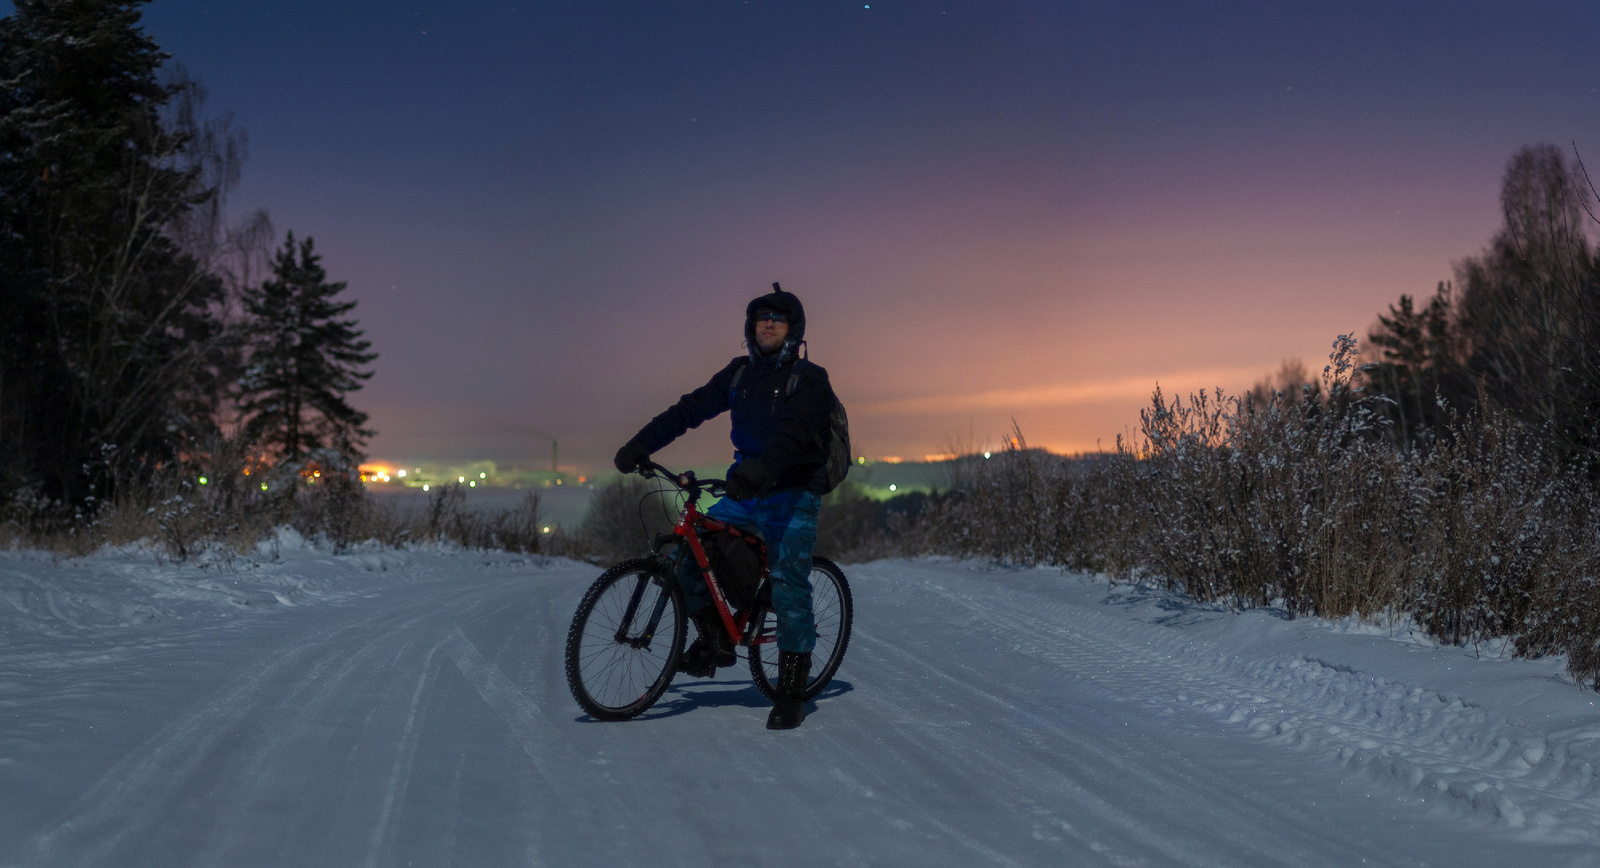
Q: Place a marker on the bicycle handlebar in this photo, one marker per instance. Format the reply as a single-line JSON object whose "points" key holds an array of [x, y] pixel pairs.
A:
{"points": [[685, 481]]}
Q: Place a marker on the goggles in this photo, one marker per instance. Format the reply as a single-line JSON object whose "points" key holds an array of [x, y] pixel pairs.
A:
{"points": [[772, 316]]}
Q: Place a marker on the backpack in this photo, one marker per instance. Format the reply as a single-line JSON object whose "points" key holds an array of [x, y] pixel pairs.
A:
{"points": [[837, 459]]}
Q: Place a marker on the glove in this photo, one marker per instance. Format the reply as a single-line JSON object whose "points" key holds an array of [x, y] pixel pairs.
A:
{"points": [[747, 480], [630, 457]]}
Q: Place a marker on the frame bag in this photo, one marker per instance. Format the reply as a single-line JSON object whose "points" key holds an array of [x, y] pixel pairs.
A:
{"points": [[736, 561]]}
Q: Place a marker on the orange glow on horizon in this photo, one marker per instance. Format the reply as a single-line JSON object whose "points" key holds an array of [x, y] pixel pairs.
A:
{"points": [[1067, 394]]}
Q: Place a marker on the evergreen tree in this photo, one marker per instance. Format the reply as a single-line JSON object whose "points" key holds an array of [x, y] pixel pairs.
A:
{"points": [[111, 332], [1523, 331], [1419, 366], [304, 359]]}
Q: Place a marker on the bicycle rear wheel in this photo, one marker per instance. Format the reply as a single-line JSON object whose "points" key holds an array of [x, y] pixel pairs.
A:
{"points": [[623, 646], [832, 610]]}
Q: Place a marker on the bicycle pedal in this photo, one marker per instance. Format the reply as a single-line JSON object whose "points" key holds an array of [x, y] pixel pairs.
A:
{"points": [[697, 672]]}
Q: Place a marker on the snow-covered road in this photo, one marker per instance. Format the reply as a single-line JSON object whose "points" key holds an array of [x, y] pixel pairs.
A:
{"points": [[408, 708]]}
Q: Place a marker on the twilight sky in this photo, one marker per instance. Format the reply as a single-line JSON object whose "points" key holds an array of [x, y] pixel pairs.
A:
{"points": [[553, 213]]}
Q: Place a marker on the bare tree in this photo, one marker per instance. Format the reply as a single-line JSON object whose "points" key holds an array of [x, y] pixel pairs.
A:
{"points": [[1529, 308]]}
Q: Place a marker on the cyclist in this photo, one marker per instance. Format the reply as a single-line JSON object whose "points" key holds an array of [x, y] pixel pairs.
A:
{"points": [[775, 485]]}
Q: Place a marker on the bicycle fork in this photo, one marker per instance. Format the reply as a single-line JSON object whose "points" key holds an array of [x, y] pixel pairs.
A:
{"points": [[649, 632]]}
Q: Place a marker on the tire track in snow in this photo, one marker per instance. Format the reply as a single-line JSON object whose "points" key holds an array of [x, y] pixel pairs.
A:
{"points": [[542, 742], [405, 756], [520, 712], [146, 778], [905, 809], [384, 666], [901, 810], [333, 685], [1405, 737], [192, 768], [1208, 834]]}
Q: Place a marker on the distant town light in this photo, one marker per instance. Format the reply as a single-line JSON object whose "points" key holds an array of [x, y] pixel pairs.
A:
{"points": [[263, 486], [986, 455], [424, 486], [461, 479], [473, 484], [483, 476], [402, 474], [891, 486], [204, 480], [547, 528]]}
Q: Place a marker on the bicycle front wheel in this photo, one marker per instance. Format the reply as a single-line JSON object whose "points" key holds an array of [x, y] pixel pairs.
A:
{"points": [[832, 610], [623, 646]]}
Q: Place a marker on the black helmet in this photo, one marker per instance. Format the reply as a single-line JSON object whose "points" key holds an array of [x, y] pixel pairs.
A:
{"points": [[786, 303]]}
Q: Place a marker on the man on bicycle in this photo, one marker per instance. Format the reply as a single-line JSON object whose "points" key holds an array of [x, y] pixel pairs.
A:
{"points": [[780, 407]]}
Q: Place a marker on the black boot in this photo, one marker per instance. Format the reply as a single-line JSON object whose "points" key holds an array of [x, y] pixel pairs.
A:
{"points": [[794, 670], [711, 649]]}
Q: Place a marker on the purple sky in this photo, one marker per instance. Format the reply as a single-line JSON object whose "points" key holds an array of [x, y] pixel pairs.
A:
{"points": [[553, 213]]}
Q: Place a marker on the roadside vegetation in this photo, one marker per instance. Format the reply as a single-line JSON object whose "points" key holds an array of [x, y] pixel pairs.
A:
{"points": [[1304, 506], [1447, 470], [224, 500]]}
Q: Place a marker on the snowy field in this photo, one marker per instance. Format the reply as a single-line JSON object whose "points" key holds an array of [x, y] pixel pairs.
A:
{"points": [[295, 708]]}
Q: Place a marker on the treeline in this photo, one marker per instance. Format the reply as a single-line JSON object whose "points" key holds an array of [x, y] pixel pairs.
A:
{"points": [[142, 334], [1518, 330], [1447, 470]]}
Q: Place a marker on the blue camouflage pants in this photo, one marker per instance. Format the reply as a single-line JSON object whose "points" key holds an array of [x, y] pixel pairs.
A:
{"points": [[787, 521]]}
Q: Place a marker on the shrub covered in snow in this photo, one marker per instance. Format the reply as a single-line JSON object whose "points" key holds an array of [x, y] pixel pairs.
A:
{"points": [[1300, 501]]}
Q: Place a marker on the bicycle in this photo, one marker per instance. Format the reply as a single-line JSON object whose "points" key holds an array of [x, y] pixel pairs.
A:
{"points": [[619, 662]]}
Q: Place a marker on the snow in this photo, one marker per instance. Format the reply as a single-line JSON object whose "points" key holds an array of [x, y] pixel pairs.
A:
{"points": [[293, 706]]}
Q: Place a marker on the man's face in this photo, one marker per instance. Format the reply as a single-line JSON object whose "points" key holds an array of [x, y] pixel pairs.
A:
{"points": [[771, 330]]}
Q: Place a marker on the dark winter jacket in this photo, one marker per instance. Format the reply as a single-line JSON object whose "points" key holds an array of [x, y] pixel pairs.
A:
{"points": [[785, 434]]}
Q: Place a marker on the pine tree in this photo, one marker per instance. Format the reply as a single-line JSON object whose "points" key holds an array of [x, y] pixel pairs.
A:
{"points": [[1419, 366], [111, 332], [304, 359]]}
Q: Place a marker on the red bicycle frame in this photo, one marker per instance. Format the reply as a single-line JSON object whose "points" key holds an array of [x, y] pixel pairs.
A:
{"points": [[689, 525]]}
